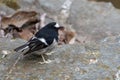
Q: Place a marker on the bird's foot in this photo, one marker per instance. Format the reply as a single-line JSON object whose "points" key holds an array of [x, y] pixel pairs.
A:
{"points": [[50, 53], [45, 62]]}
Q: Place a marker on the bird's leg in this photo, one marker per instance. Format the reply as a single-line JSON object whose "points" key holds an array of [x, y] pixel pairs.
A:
{"points": [[50, 53], [44, 61], [43, 58]]}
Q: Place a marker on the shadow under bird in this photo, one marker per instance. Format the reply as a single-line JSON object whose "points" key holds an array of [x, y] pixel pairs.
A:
{"points": [[43, 42]]}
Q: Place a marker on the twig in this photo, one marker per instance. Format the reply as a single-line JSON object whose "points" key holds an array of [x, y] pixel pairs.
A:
{"points": [[12, 68]]}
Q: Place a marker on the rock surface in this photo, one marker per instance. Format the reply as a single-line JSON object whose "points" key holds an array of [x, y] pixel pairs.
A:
{"points": [[96, 23], [69, 62], [93, 21]]}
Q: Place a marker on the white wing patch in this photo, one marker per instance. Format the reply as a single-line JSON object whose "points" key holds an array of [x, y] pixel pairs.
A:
{"points": [[24, 50], [57, 25], [43, 40], [54, 40]]}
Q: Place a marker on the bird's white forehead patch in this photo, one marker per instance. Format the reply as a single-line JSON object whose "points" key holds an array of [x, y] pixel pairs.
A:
{"points": [[57, 25], [43, 40]]}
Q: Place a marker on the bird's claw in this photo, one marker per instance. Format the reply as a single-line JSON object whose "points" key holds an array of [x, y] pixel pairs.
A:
{"points": [[50, 53], [45, 62]]}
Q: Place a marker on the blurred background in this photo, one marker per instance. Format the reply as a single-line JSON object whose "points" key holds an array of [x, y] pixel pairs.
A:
{"points": [[97, 27], [93, 20]]}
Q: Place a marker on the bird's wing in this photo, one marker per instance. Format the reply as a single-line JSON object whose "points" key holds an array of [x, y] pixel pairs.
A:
{"points": [[32, 45], [36, 44]]}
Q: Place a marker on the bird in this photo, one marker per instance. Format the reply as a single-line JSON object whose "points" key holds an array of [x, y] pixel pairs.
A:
{"points": [[43, 42]]}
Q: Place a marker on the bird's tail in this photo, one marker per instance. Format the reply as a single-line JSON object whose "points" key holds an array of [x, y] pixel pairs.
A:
{"points": [[22, 49]]}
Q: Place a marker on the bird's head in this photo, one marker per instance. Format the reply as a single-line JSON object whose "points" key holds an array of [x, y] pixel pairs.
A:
{"points": [[55, 25]]}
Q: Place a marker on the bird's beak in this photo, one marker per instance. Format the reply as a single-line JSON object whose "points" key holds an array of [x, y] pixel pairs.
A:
{"points": [[61, 28]]}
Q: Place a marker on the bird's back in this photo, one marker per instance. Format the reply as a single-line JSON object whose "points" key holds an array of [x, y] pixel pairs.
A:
{"points": [[48, 34]]}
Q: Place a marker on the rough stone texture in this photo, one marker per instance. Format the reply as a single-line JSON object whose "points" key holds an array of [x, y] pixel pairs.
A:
{"points": [[69, 62], [5, 10], [94, 22]]}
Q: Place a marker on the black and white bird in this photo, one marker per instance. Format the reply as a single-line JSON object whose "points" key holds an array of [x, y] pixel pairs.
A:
{"points": [[42, 42]]}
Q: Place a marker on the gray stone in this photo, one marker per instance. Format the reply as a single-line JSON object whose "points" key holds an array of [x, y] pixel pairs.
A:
{"points": [[96, 22], [68, 62]]}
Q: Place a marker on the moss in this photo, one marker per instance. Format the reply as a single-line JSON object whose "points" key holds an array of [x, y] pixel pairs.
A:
{"points": [[107, 78], [118, 67], [101, 65], [82, 71], [11, 3]]}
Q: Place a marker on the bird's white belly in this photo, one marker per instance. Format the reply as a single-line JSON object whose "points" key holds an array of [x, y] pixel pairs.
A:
{"points": [[46, 50]]}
